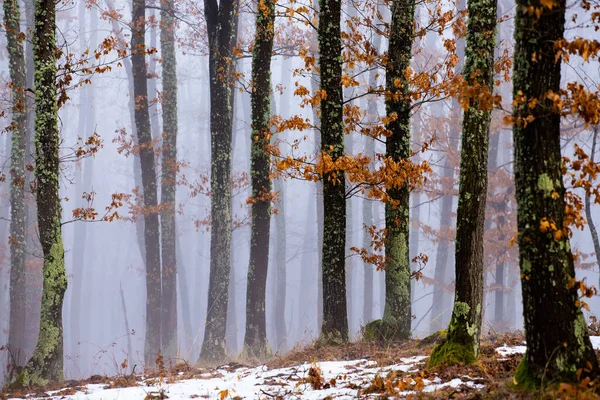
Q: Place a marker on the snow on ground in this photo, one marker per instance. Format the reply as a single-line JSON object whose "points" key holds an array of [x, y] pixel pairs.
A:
{"points": [[337, 379], [510, 350], [328, 379]]}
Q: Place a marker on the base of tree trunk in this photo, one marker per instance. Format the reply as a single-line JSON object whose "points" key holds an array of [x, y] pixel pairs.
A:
{"points": [[381, 330], [256, 352], [524, 378], [213, 355], [451, 352], [331, 339]]}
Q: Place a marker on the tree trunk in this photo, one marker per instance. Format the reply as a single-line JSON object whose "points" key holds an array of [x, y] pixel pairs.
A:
{"points": [[86, 126], [33, 274], [146, 152], [368, 220], [18, 222], [588, 205], [169, 182], [397, 311], [137, 171], [462, 339], [281, 333], [335, 317], [439, 310], [220, 20], [46, 363], [255, 341], [315, 83], [558, 345], [152, 72]]}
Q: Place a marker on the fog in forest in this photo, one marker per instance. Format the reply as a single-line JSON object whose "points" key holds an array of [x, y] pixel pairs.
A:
{"points": [[104, 311]]}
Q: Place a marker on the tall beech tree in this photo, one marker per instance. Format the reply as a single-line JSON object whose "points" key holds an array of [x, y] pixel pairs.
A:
{"points": [[461, 344], [558, 345], [18, 224], [220, 20], [146, 154], [335, 316], [397, 311], [83, 183], [168, 234], [46, 364], [255, 341]]}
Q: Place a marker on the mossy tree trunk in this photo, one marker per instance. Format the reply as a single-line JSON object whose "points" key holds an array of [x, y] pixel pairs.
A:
{"points": [[146, 153], [169, 182], [220, 21], [255, 341], [335, 316], [397, 311], [46, 364], [558, 345], [462, 340], [18, 217]]}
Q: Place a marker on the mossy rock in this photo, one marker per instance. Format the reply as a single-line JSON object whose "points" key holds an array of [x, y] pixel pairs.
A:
{"points": [[434, 338], [524, 378], [452, 353], [383, 331]]}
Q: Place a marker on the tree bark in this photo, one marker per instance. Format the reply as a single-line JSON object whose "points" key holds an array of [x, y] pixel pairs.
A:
{"points": [[462, 339], [335, 317], [146, 153], [255, 341], [397, 311], [18, 216], [220, 20], [169, 182], [46, 363], [558, 345]]}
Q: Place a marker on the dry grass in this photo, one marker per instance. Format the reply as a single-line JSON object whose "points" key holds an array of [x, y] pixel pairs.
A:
{"points": [[492, 371]]}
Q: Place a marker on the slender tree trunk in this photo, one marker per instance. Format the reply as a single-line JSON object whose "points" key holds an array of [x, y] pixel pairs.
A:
{"points": [[126, 322], [588, 205], [86, 123], [462, 340], [18, 222], [46, 363], [255, 340], [397, 311], [146, 152], [368, 220], [558, 345], [280, 228], [184, 295], [315, 83], [152, 73], [280, 263], [220, 20], [169, 182], [500, 266], [440, 308], [33, 274], [335, 317]]}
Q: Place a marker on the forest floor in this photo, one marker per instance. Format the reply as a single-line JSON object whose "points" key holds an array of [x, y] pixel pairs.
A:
{"points": [[358, 370]]}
